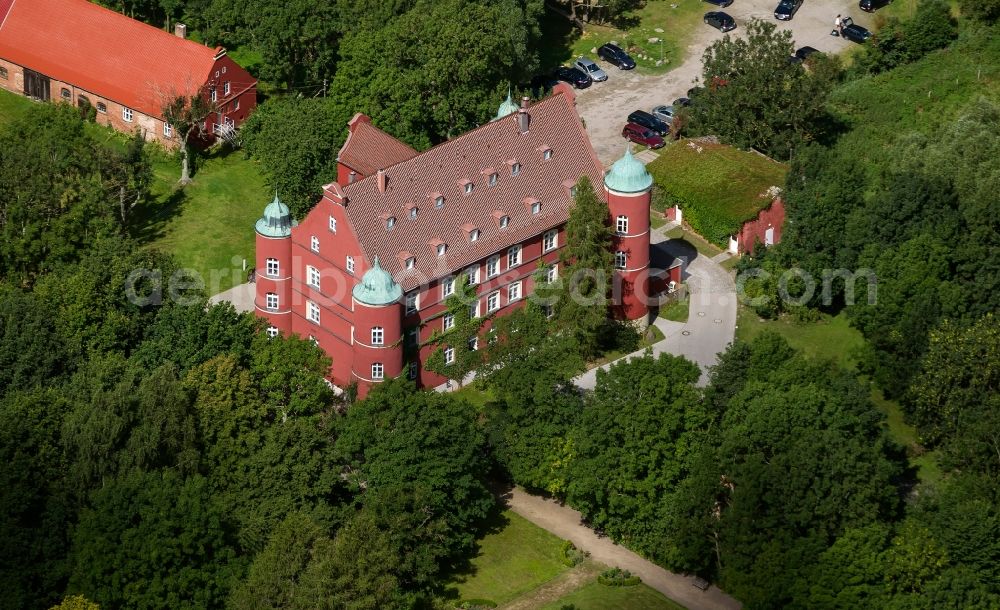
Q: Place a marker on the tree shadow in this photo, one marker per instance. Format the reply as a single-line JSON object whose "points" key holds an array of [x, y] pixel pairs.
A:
{"points": [[663, 254], [150, 218], [559, 34], [461, 570]]}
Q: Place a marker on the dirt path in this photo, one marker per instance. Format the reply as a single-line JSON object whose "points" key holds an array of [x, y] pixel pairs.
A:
{"points": [[558, 587], [604, 106], [565, 523]]}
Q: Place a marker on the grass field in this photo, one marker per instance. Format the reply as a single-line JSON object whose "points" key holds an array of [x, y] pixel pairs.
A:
{"points": [[595, 596], [566, 43], [517, 558], [207, 225], [718, 187], [677, 311]]}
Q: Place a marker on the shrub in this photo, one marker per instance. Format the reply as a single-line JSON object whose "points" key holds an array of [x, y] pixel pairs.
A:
{"points": [[476, 604], [617, 577], [572, 556]]}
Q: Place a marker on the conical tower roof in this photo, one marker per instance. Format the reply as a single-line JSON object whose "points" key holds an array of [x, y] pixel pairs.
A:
{"points": [[628, 175], [507, 106], [276, 221], [377, 287]]}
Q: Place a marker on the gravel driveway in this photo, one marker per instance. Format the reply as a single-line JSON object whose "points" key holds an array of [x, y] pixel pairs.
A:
{"points": [[604, 106]]}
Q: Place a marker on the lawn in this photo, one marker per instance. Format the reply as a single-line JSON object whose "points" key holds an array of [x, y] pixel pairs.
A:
{"points": [[717, 186], [595, 596], [208, 225], [676, 18], [511, 561], [677, 311]]}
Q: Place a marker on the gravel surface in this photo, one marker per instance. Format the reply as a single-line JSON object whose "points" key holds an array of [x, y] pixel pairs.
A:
{"points": [[604, 106]]}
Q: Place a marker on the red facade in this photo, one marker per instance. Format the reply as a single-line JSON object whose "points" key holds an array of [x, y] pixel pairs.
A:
{"points": [[765, 228], [631, 288]]}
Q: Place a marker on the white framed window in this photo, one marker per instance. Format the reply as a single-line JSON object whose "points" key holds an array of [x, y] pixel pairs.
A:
{"points": [[515, 169], [550, 240], [312, 312], [272, 331], [312, 276], [413, 369], [272, 301], [474, 309], [439, 202], [547, 154], [474, 235], [447, 287], [390, 222], [314, 243], [493, 266], [225, 88], [536, 207], [493, 301], [410, 262], [412, 303], [215, 95], [504, 221], [620, 260], [473, 344], [552, 273], [473, 274], [378, 335], [272, 268], [441, 249], [514, 256], [378, 371], [413, 213], [236, 104], [449, 355], [572, 191], [468, 188], [126, 114], [102, 107], [447, 322], [493, 178], [350, 265], [168, 130], [513, 292], [621, 225], [333, 224]]}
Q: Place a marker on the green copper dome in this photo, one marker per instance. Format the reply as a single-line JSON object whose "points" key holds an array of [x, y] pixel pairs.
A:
{"points": [[276, 221], [628, 175], [507, 107], [377, 287]]}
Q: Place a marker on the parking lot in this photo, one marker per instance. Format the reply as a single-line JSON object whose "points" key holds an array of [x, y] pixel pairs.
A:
{"points": [[604, 106]]}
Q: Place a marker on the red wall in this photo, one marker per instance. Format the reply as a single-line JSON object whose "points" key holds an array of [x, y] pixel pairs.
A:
{"points": [[631, 289], [754, 230]]}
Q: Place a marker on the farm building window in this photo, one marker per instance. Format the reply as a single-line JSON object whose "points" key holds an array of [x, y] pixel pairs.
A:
{"points": [[82, 101], [168, 131], [126, 114], [64, 92], [102, 107], [3, 73]]}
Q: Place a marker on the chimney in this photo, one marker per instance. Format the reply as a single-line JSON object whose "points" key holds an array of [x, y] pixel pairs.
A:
{"points": [[523, 120], [525, 101], [381, 180], [180, 30]]}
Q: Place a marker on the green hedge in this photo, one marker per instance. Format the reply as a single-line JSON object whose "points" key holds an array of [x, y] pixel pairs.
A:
{"points": [[476, 604], [617, 577], [572, 556]]}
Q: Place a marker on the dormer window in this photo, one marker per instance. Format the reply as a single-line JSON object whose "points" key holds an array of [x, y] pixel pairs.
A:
{"points": [[439, 202], [441, 249], [474, 235], [570, 186], [536, 207], [406, 259], [466, 186], [493, 178], [413, 213], [546, 152], [515, 168], [504, 221], [390, 222], [410, 262], [471, 231]]}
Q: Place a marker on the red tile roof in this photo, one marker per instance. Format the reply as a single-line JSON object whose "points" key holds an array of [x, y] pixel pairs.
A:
{"points": [[554, 123], [369, 149], [102, 51]]}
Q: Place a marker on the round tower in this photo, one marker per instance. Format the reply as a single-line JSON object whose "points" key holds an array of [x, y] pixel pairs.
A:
{"points": [[378, 321], [273, 299], [628, 188]]}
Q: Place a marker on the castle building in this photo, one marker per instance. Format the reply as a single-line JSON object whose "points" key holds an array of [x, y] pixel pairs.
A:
{"points": [[124, 71], [366, 273]]}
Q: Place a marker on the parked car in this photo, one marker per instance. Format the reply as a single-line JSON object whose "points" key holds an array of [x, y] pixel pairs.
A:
{"points": [[719, 3], [870, 6], [854, 32], [720, 21], [640, 117], [802, 54], [616, 56], [664, 113], [634, 132], [786, 9], [682, 102], [572, 76], [591, 69]]}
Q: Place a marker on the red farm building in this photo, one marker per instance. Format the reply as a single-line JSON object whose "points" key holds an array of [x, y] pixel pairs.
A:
{"points": [[366, 273], [79, 53]]}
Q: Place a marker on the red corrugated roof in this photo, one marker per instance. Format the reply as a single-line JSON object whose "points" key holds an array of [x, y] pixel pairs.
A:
{"points": [[369, 149], [104, 52], [554, 123]]}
